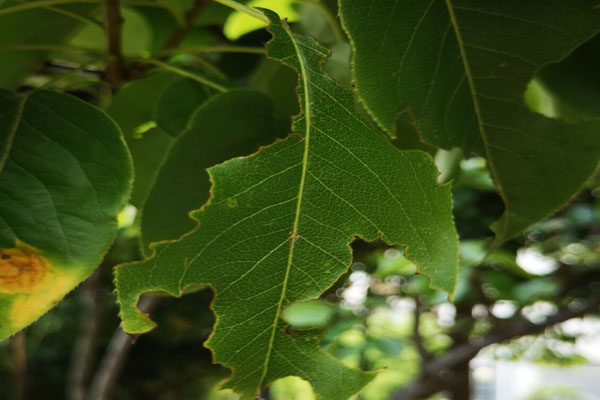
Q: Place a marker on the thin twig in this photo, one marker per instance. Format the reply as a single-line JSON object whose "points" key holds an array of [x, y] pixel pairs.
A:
{"points": [[113, 22], [417, 338], [431, 382], [189, 18], [50, 47], [41, 4], [114, 358], [20, 365], [187, 74], [84, 352], [245, 9], [210, 67], [214, 49], [78, 17]]}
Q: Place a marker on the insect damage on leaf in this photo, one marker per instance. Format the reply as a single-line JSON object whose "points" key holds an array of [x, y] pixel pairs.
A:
{"points": [[278, 226]]}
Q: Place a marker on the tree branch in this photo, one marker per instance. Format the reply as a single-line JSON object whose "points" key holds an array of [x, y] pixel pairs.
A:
{"points": [[85, 346], [113, 22], [116, 354], [189, 18], [20, 365], [436, 378], [416, 335]]}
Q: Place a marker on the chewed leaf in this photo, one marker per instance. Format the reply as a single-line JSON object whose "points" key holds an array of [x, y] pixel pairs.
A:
{"points": [[278, 226], [65, 174]]}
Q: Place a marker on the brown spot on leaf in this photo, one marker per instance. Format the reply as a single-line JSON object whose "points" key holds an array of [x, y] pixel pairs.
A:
{"points": [[21, 270]]}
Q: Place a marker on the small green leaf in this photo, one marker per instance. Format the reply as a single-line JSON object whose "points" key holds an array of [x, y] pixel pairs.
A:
{"points": [[213, 136], [65, 174], [278, 226], [575, 83], [278, 82], [133, 107], [177, 104], [461, 69]]}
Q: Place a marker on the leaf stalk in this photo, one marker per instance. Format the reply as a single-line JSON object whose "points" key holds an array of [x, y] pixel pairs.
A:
{"points": [[245, 9]]}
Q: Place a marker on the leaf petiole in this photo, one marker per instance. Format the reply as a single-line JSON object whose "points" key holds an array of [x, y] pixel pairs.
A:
{"points": [[245, 9], [187, 74], [41, 4], [214, 49]]}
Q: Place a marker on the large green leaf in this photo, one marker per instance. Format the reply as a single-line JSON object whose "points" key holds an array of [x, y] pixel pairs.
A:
{"points": [[38, 26], [65, 174], [278, 226], [461, 69], [182, 185]]}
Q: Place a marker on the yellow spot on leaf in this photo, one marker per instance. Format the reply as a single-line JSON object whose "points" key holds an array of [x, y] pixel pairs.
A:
{"points": [[33, 283], [28, 307], [22, 270]]}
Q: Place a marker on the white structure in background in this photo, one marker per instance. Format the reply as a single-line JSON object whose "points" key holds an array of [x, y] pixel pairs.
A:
{"points": [[493, 379], [508, 380]]}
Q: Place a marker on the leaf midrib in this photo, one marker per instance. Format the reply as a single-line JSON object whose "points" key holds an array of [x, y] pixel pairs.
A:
{"points": [[472, 90], [13, 132], [294, 235]]}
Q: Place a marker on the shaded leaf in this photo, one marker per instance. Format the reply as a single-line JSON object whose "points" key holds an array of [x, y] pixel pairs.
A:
{"points": [[213, 136], [133, 108], [65, 174], [136, 34], [35, 26], [277, 228], [177, 104], [461, 70], [575, 82], [278, 82]]}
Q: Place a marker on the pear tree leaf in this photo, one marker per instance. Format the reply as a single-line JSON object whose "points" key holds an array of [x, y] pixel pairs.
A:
{"points": [[278, 225], [65, 174], [182, 184], [279, 83], [152, 112], [575, 83], [461, 68], [177, 104], [134, 110]]}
